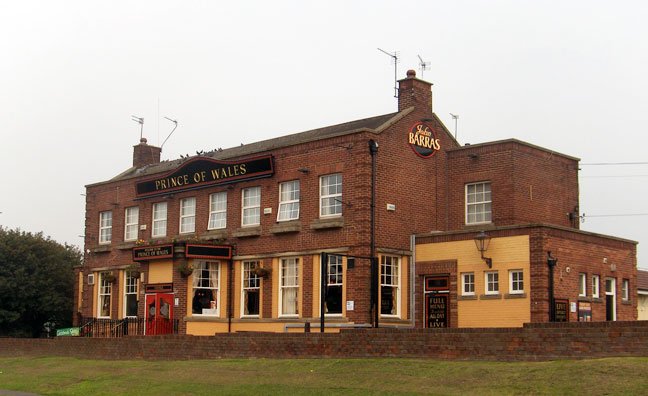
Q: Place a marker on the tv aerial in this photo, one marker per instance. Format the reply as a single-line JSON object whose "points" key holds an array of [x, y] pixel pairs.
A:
{"points": [[394, 57], [139, 120], [174, 128], [423, 65]]}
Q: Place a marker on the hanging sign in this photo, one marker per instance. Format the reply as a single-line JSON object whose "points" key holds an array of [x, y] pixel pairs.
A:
{"points": [[201, 172], [423, 140]]}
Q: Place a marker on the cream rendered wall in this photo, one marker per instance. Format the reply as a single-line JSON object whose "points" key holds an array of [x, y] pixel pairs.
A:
{"points": [[642, 306], [508, 253]]}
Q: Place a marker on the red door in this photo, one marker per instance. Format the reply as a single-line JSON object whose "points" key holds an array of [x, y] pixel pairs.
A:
{"points": [[159, 314]]}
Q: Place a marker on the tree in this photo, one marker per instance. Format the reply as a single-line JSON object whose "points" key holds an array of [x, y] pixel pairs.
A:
{"points": [[36, 283]]}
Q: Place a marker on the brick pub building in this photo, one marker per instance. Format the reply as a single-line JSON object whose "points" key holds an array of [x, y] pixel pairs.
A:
{"points": [[234, 240]]}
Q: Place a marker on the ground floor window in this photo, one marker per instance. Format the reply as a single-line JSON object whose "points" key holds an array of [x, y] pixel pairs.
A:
{"points": [[389, 285], [289, 286], [105, 291], [130, 294], [205, 291], [251, 289], [333, 301]]}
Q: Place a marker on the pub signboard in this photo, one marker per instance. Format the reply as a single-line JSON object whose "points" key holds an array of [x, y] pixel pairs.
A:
{"points": [[152, 252]]}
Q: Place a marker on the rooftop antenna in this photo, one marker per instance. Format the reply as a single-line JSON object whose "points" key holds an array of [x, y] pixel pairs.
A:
{"points": [[394, 57], [423, 65], [139, 120], [174, 128], [455, 117]]}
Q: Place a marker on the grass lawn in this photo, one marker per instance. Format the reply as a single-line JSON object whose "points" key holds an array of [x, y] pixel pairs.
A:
{"points": [[68, 376]]}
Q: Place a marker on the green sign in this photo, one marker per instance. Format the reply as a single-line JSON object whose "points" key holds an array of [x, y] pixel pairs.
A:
{"points": [[69, 332]]}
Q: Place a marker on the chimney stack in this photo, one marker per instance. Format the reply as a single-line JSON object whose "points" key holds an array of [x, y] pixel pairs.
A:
{"points": [[143, 154], [414, 92]]}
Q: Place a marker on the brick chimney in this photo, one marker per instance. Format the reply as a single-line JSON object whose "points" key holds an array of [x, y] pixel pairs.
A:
{"points": [[143, 154], [414, 92]]}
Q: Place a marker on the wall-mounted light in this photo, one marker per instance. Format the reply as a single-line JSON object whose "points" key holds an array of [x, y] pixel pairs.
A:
{"points": [[482, 240], [303, 170]]}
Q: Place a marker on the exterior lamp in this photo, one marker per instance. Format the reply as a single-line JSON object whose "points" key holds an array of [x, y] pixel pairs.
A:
{"points": [[482, 241]]}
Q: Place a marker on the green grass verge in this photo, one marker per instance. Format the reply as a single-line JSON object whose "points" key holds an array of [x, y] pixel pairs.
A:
{"points": [[67, 376]]}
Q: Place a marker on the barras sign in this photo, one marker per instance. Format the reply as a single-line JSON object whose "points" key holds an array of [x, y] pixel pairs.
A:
{"points": [[423, 140], [202, 172]]}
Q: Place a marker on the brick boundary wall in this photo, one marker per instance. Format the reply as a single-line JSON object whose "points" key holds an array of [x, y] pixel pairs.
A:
{"points": [[533, 342]]}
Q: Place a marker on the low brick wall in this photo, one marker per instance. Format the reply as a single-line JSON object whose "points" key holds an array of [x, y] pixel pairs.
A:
{"points": [[541, 341]]}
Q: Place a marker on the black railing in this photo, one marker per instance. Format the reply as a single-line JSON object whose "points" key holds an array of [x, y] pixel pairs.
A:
{"points": [[94, 327]]}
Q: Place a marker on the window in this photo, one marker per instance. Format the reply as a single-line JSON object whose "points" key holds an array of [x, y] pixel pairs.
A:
{"points": [[131, 223], [105, 290], [187, 215], [105, 227], [478, 203], [217, 210], [492, 282], [159, 219], [250, 290], [596, 281], [516, 282], [389, 281], [331, 195], [288, 201], [333, 303], [582, 284], [130, 294], [205, 288], [289, 287], [468, 284], [625, 289], [251, 206]]}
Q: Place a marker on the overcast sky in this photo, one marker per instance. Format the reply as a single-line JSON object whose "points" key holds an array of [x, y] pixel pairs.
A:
{"points": [[571, 76]]}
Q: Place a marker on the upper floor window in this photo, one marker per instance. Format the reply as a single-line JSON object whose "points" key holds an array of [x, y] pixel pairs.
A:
{"points": [[251, 214], [288, 201], [516, 282], [582, 284], [187, 215], [251, 296], [468, 284], [492, 282], [131, 223], [331, 195], [596, 280], [217, 210], [105, 227], [159, 219], [625, 289], [389, 285], [478, 203]]}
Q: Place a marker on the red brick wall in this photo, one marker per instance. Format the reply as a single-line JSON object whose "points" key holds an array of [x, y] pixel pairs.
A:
{"points": [[548, 341]]}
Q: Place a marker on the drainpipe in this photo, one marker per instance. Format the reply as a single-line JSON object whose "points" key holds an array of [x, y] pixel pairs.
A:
{"points": [[229, 297], [373, 150]]}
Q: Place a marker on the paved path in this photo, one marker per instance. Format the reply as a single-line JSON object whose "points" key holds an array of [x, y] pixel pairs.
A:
{"points": [[15, 393]]}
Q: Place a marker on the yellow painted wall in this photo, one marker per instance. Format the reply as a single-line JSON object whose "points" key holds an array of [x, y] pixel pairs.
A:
{"points": [[211, 328], [642, 307], [508, 253], [222, 288], [80, 296], [237, 289], [119, 298], [160, 271], [275, 287]]}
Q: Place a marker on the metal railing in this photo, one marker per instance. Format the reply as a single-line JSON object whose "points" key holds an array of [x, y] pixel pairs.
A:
{"points": [[111, 328]]}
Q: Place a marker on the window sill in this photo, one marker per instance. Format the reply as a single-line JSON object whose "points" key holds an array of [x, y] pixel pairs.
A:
{"points": [[100, 249], [515, 295], [584, 298], [327, 222], [459, 298], [247, 232], [393, 320], [490, 296], [286, 226], [126, 245], [214, 234], [597, 299]]}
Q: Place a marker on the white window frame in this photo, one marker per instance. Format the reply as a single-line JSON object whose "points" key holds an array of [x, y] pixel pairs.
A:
{"points": [[485, 204], [159, 222], [335, 279], [214, 272], [217, 211], [488, 282], [250, 210], [610, 290], [294, 284], [516, 286], [326, 182], [596, 286], [288, 201], [582, 284], [625, 289], [129, 289], [253, 278], [104, 291], [391, 280], [468, 279], [131, 223], [188, 215], [105, 227]]}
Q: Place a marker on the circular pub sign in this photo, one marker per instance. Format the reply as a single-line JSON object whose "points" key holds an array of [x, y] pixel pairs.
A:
{"points": [[423, 140]]}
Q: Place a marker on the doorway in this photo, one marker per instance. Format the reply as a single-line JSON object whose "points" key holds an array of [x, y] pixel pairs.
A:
{"points": [[610, 299], [159, 314]]}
